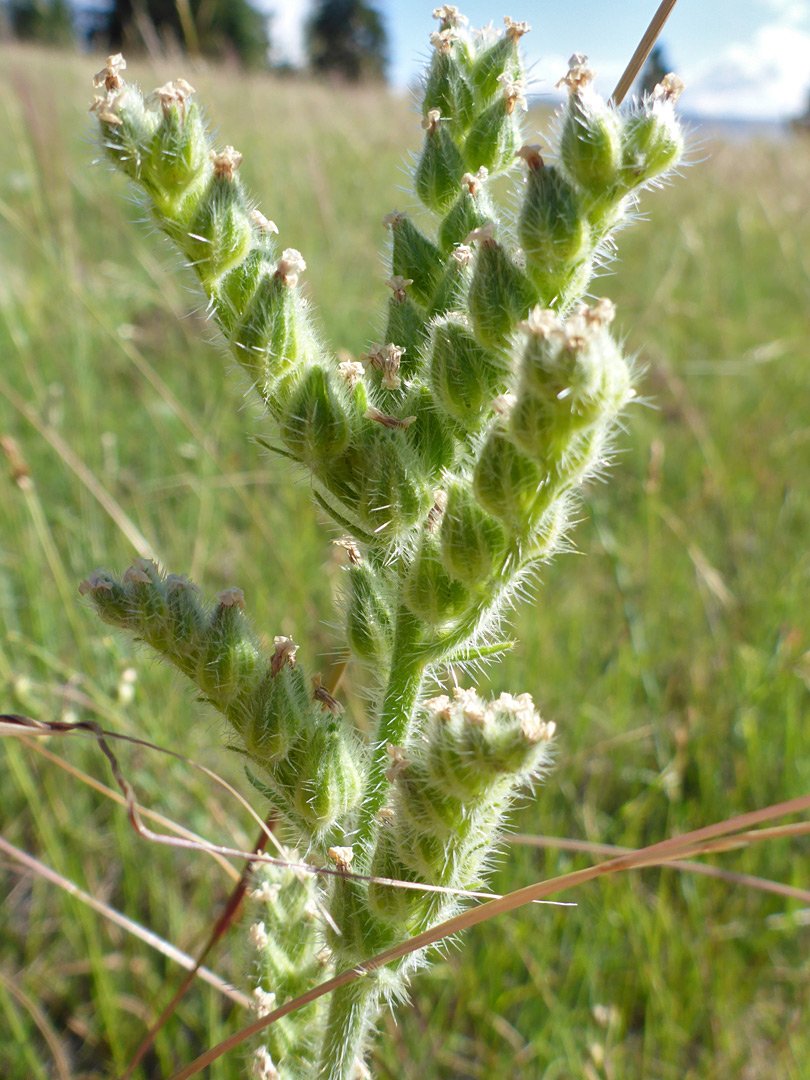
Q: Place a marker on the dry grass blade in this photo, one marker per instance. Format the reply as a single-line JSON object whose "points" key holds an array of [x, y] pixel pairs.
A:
{"points": [[586, 847], [114, 916], [114, 796], [20, 726], [656, 854], [643, 51]]}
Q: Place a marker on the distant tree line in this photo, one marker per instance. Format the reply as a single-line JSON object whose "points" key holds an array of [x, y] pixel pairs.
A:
{"points": [[345, 38]]}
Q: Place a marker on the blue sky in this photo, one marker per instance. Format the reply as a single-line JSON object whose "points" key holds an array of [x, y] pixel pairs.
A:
{"points": [[743, 58]]}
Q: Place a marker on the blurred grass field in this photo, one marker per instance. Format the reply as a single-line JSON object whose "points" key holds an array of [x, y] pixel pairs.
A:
{"points": [[672, 650]]}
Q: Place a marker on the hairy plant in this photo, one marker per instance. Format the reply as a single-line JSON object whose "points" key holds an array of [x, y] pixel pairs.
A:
{"points": [[449, 456]]}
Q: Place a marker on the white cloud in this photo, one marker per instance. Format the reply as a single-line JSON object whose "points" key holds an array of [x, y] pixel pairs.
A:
{"points": [[765, 78], [789, 12]]}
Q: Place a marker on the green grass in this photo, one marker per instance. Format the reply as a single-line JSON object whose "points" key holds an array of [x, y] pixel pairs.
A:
{"points": [[672, 651]]}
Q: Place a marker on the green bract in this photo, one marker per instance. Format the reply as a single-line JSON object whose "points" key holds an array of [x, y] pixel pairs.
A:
{"points": [[449, 454]]}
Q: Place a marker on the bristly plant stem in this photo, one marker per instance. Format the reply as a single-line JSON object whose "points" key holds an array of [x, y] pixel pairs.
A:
{"points": [[493, 395], [399, 703]]}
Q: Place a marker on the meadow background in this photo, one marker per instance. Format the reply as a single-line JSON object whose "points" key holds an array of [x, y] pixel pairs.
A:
{"points": [[671, 650]]}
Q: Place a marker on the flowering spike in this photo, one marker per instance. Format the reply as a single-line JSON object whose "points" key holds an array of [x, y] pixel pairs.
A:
{"points": [[448, 455]]}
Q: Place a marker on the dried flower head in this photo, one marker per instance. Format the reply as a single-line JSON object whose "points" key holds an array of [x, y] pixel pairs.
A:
{"points": [[386, 360], [515, 30], [399, 284], [542, 322], [96, 581], [257, 936], [180, 583], [513, 93], [109, 77], [232, 598], [441, 707], [442, 40], [285, 650], [503, 404], [321, 694], [351, 549], [106, 107], [263, 224], [341, 857], [390, 221], [531, 155], [136, 574], [579, 75], [470, 703], [226, 162], [290, 265], [463, 254], [472, 181], [448, 14], [263, 1067], [388, 421], [437, 510], [351, 371], [399, 763], [484, 234], [431, 120], [174, 93], [669, 89], [264, 1001]]}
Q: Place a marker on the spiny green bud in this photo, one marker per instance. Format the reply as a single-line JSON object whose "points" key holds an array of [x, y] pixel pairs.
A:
{"points": [[652, 139], [447, 86], [322, 774], [501, 58], [573, 376], [386, 495], [176, 163], [368, 621], [399, 907], [315, 424], [451, 292], [470, 210], [440, 167], [472, 543], [406, 325], [220, 233], [495, 134], [506, 481], [414, 256], [165, 611], [471, 742], [233, 292], [282, 709], [430, 433], [464, 377], [590, 139], [500, 293], [553, 228], [429, 591], [232, 660], [271, 336], [128, 124]]}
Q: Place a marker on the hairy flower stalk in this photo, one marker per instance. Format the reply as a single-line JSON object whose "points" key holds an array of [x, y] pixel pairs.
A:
{"points": [[449, 457]]}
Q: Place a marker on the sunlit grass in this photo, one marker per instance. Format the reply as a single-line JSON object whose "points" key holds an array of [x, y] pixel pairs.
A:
{"points": [[672, 652]]}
